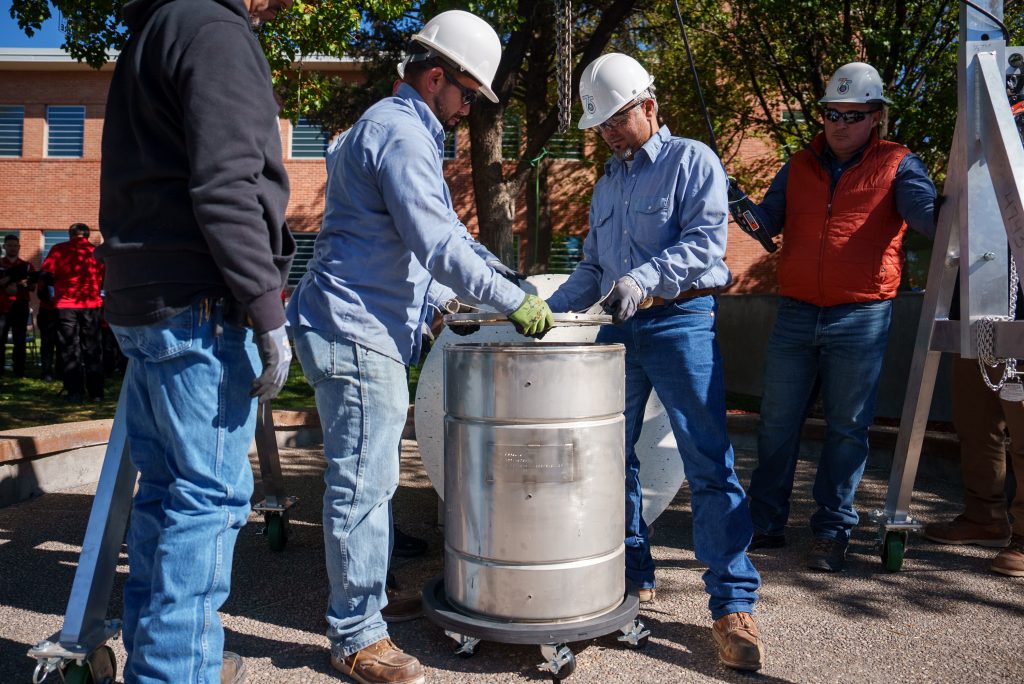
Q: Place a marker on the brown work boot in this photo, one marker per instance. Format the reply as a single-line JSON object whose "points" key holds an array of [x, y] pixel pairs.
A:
{"points": [[402, 606], [739, 643], [959, 530], [380, 663], [1010, 561], [232, 669]]}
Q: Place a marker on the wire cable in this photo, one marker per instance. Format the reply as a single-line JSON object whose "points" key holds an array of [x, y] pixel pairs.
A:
{"points": [[696, 80]]}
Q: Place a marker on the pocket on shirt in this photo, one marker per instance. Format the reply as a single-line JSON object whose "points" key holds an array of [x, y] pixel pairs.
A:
{"points": [[650, 216]]}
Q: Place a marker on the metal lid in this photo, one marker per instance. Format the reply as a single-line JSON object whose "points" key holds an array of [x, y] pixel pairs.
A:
{"points": [[562, 320]]}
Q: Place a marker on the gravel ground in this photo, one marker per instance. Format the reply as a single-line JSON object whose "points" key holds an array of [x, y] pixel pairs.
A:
{"points": [[944, 618]]}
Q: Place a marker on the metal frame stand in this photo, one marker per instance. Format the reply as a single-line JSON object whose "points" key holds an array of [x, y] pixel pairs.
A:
{"points": [[559, 662], [79, 652], [981, 218]]}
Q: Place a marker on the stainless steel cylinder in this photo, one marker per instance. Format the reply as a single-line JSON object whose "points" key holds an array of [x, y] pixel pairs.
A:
{"points": [[533, 480]]}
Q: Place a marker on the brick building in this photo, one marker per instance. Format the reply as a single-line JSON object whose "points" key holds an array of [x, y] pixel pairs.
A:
{"points": [[51, 120]]}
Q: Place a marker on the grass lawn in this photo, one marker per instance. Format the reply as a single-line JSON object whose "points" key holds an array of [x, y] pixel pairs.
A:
{"points": [[31, 401]]}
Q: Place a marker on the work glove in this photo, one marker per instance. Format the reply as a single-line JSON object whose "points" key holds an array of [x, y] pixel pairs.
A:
{"points": [[505, 272], [623, 300], [533, 318], [276, 354], [454, 306]]}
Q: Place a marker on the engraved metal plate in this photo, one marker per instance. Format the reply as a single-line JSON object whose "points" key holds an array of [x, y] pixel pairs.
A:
{"points": [[531, 463]]}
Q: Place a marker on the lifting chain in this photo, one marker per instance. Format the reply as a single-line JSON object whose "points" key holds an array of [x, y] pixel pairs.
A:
{"points": [[563, 61], [986, 344]]}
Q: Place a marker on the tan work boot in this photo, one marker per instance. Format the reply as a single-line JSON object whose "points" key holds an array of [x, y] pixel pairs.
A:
{"points": [[959, 530], [1010, 561], [647, 595], [380, 663], [739, 643], [232, 669]]}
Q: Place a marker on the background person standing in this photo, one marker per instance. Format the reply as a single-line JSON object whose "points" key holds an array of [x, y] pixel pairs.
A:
{"points": [[77, 279], [15, 281]]}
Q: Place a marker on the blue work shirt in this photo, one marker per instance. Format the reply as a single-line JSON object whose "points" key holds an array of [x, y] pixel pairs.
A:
{"points": [[663, 221], [913, 190], [389, 228]]}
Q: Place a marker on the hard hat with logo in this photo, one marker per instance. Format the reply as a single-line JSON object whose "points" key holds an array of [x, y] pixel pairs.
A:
{"points": [[465, 40], [608, 83], [856, 83]]}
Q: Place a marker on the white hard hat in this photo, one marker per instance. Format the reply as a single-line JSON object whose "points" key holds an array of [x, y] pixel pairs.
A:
{"points": [[855, 82], [609, 82], [465, 40]]}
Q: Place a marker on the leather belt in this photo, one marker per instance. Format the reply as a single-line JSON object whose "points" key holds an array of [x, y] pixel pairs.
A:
{"points": [[689, 294]]}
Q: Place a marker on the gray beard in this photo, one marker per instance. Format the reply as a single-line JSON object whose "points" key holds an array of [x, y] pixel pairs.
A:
{"points": [[625, 155]]}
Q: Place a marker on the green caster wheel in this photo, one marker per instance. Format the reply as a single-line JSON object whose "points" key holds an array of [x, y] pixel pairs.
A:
{"points": [[276, 530], [99, 668], [892, 550]]}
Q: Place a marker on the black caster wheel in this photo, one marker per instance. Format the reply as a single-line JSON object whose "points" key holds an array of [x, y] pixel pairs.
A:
{"points": [[567, 669], [276, 530], [99, 668], [893, 548]]}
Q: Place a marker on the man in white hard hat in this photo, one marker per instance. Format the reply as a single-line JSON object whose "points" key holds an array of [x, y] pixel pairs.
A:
{"points": [[843, 206], [658, 228], [389, 230]]}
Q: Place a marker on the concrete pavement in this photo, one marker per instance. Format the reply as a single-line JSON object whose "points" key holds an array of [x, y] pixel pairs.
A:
{"points": [[944, 618]]}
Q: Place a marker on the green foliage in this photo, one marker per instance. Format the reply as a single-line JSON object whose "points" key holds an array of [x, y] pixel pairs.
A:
{"points": [[759, 57]]}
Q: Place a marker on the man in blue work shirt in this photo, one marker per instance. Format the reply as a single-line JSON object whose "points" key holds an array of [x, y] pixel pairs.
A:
{"points": [[845, 203], [389, 228], [658, 226]]}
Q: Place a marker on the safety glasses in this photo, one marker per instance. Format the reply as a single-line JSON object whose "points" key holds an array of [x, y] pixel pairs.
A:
{"points": [[834, 115], [620, 118], [468, 95]]}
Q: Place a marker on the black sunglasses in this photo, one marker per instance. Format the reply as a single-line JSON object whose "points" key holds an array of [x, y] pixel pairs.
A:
{"points": [[834, 115], [468, 94]]}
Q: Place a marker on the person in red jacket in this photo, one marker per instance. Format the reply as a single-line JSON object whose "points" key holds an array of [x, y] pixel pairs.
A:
{"points": [[15, 274], [77, 279], [842, 206]]}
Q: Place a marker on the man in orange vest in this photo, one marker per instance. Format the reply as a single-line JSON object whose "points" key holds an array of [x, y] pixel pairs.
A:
{"points": [[843, 206]]}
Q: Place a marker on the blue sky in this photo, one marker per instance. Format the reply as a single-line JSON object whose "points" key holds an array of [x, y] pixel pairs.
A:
{"points": [[11, 36]]}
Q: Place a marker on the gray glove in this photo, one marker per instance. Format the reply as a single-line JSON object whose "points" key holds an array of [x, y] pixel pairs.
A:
{"points": [[623, 300], [276, 354], [505, 272]]}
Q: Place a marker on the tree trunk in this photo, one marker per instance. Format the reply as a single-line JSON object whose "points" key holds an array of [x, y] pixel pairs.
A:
{"points": [[539, 221], [495, 204]]}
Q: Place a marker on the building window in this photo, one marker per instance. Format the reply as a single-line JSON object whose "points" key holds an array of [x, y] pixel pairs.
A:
{"points": [[12, 124], [566, 252], [303, 254], [451, 145], [51, 238], [792, 116], [567, 145], [65, 128], [308, 140], [510, 136]]}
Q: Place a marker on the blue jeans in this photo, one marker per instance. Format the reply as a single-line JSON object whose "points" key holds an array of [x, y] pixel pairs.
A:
{"points": [[363, 398], [672, 349], [190, 424], [840, 348]]}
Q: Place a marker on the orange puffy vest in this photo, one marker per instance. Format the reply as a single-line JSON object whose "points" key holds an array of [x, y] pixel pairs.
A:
{"points": [[848, 246]]}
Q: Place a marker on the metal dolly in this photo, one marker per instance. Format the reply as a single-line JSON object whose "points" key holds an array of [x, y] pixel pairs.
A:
{"points": [[79, 652], [981, 217], [469, 630]]}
